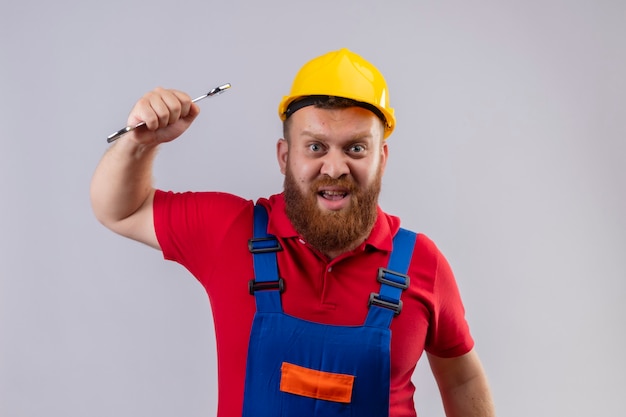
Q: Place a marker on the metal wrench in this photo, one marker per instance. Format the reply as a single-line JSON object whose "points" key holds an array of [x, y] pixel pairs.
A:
{"points": [[217, 90]]}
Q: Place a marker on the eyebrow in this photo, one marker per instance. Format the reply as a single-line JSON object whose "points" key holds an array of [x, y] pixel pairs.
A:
{"points": [[358, 136]]}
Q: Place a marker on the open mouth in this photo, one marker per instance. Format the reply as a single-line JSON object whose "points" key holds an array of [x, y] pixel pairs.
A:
{"points": [[333, 195]]}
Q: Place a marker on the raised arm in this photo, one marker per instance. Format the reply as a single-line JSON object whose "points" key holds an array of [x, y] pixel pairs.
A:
{"points": [[121, 187], [463, 385]]}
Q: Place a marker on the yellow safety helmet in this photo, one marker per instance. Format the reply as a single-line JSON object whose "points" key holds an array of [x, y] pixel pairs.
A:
{"points": [[344, 74]]}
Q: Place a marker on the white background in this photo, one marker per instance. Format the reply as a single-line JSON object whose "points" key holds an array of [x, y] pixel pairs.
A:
{"points": [[509, 153]]}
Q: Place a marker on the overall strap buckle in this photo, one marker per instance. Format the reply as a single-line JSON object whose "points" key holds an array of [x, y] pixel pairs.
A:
{"points": [[390, 297], [377, 301], [266, 286], [387, 303], [254, 286], [264, 245], [393, 278]]}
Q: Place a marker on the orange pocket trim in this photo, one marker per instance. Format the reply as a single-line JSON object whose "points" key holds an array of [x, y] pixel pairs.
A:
{"points": [[316, 384]]}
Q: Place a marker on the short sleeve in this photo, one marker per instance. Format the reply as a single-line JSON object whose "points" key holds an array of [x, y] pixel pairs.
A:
{"points": [[449, 334], [191, 226]]}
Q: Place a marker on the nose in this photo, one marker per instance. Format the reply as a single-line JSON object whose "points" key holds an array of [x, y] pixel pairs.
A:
{"points": [[335, 164]]}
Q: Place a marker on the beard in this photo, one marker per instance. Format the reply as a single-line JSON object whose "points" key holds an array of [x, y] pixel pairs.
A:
{"points": [[332, 231]]}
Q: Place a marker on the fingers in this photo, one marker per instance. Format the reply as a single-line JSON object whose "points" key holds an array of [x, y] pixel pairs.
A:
{"points": [[160, 108]]}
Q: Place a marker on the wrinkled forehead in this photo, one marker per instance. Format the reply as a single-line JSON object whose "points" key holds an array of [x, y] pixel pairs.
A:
{"points": [[348, 124]]}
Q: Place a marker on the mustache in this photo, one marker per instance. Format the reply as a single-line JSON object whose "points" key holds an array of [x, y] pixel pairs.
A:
{"points": [[346, 183]]}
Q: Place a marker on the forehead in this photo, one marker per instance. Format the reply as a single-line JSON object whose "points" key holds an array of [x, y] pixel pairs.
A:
{"points": [[347, 123]]}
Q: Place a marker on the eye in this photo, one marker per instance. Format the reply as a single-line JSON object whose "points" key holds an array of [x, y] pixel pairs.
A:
{"points": [[357, 148], [315, 147]]}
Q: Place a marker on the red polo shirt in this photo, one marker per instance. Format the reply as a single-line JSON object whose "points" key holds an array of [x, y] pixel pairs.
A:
{"points": [[208, 234]]}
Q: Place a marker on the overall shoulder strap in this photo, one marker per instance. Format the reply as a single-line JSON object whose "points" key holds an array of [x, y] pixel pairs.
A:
{"points": [[266, 285], [385, 305]]}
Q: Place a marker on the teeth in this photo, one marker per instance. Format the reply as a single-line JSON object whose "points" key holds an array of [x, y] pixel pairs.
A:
{"points": [[330, 194], [334, 193]]}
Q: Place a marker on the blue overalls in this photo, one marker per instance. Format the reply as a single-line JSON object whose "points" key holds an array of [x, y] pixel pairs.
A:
{"points": [[298, 368]]}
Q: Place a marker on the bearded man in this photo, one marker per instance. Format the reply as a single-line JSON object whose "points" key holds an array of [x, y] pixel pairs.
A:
{"points": [[307, 287]]}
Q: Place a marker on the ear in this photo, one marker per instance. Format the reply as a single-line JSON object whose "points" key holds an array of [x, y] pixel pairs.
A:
{"points": [[282, 151], [384, 153]]}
